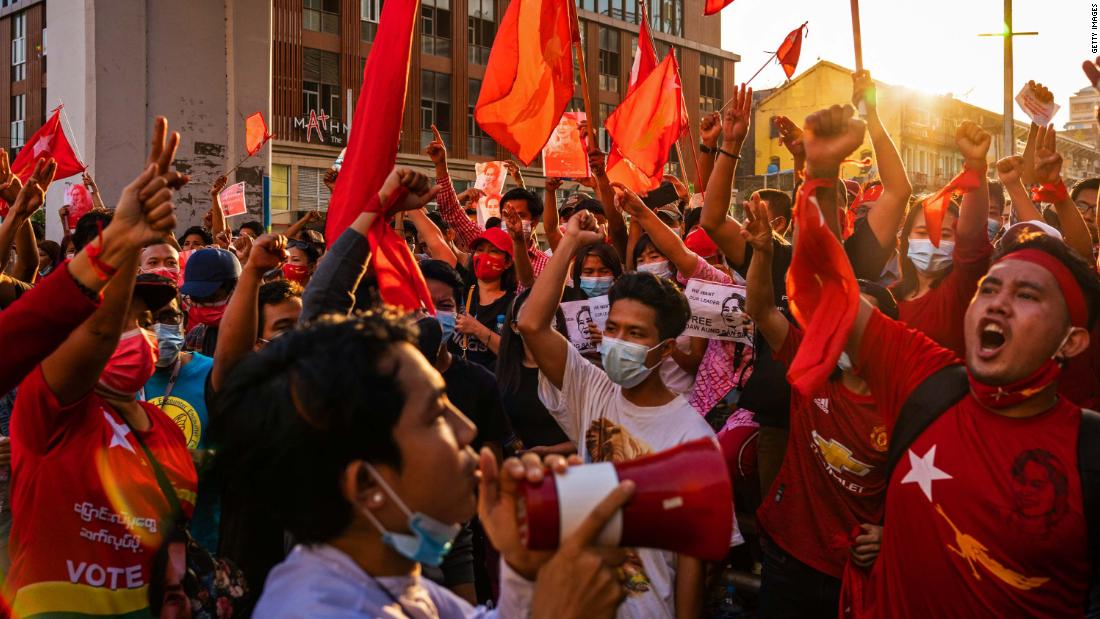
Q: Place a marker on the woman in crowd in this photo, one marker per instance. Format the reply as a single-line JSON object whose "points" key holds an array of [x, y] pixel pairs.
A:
{"points": [[49, 256], [481, 319]]}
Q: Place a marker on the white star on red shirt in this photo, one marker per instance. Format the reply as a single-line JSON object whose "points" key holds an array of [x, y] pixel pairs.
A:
{"points": [[924, 471], [121, 431]]}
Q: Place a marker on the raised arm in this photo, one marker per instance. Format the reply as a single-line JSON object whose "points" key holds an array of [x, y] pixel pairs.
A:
{"points": [[93, 190], [1048, 172], [790, 136], [217, 215], [550, 221], [759, 292], [724, 230], [829, 137], [710, 129], [515, 173], [16, 218], [438, 247], [888, 211], [549, 347], [297, 227], [666, 240], [616, 225], [973, 143], [525, 273], [450, 204], [1010, 171]]}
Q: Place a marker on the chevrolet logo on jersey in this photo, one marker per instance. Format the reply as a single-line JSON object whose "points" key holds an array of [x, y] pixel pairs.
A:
{"points": [[838, 457]]}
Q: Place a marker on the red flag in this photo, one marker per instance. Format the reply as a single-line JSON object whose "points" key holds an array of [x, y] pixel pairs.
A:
{"points": [[824, 294], [372, 152], [790, 49], [48, 141], [645, 59], [713, 6], [255, 133], [936, 205], [529, 78], [618, 169], [650, 120]]}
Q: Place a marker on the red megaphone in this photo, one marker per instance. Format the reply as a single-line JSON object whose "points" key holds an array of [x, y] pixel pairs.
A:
{"points": [[682, 502]]}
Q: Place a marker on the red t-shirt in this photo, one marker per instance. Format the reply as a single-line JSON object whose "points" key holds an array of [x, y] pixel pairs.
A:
{"points": [[1080, 381], [939, 312], [832, 477], [86, 505], [984, 515]]}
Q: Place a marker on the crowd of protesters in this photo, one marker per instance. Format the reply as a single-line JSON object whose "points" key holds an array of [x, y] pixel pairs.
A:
{"points": [[231, 422]]}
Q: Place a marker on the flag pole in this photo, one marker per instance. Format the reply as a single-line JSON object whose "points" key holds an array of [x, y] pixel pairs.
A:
{"points": [[65, 119], [764, 66], [579, 47], [679, 150], [857, 38]]}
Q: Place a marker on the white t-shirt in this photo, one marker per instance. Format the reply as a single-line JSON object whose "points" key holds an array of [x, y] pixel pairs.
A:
{"points": [[587, 400], [677, 379]]}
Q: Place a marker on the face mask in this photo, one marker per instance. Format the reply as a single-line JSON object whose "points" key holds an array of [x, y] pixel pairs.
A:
{"points": [[928, 258], [993, 227], [1005, 396], [172, 274], [430, 540], [596, 286], [207, 314], [844, 362], [169, 343], [131, 365], [488, 266], [660, 269], [295, 273], [526, 229], [447, 321], [624, 362]]}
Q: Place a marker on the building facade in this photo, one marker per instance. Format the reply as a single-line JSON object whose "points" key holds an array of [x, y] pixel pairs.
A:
{"points": [[1082, 116], [23, 87], [320, 47], [922, 127]]}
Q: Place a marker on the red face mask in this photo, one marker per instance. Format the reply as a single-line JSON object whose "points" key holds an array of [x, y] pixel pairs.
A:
{"points": [[488, 266], [206, 314], [131, 365], [296, 273], [172, 274], [995, 398]]}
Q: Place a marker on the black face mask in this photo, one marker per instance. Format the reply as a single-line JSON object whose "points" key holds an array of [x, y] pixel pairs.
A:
{"points": [[430, 338]]}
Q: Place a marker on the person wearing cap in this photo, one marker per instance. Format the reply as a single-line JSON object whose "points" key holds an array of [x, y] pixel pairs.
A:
{"points": [[481, 312], [208, 281]]}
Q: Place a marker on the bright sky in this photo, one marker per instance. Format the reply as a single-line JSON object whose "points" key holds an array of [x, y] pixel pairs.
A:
{"points": [[931, 45]]}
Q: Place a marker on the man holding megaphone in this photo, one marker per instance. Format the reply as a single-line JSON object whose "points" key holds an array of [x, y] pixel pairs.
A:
{"points": [[621, 413]]}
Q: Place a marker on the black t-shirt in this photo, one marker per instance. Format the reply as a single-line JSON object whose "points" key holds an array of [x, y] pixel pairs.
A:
{"points": [[473, 389], [492, 316], [532, 423]]}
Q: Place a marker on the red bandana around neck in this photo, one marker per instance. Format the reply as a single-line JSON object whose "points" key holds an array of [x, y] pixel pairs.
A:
{"points": [[1006, 396], [936, 205]]}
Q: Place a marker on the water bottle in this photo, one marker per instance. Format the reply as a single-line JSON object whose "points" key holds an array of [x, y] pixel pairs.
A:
{"points": [[730, 608], [500, 324]]}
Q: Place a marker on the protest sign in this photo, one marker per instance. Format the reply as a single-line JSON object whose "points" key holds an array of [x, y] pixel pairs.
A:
{"points": [[579, 315], [488, 207], [564, 155], [79, 201], [490, 177], [232, 199], [718, 312], [1038, 107]]}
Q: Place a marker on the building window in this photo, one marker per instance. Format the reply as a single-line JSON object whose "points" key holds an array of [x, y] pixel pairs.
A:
{"points": [[435, 27], [312, 193], [370, 11], [480, 143], [668, 17], [480, 29], [673, 165], [435, 106], [602, 135], [710, 83], [19, 47], [587, 5], [321, 15], [18, 113], [280, 187], [609, 59], [321, 82]]}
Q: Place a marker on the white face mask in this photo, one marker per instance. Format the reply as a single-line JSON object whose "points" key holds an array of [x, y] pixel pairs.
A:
{"points": [[927, 258], [659, 268], [844, 362]]}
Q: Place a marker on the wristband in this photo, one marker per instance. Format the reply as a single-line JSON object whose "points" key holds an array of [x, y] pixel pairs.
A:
{"points": [[1051, 193], [706, 150], [102, 270], [721, 151]]}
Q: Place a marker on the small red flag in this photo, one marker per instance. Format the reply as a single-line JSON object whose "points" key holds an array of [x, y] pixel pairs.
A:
{"points": [[713, 6], [529, 78], [618, 169], [255, 133], [48, 141], [790, 49], [645, 59], [823, 292], [650, 120], [936, 205]]}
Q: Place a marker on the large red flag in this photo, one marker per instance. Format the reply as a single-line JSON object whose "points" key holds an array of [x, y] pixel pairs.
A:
{"points": [[618, 169], [48, 141], [650, 120], [790, 49], [372, 152], [645, 59], [529, 78], [824, 294]]}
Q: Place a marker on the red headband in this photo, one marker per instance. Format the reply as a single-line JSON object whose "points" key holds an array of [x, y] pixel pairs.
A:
{"points": [[1071, 290]]}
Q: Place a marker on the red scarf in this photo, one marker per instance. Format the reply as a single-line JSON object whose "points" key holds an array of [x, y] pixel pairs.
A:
{"points": [[820, 278], [400, 281], [1006, 396], [1050, 193], [936, 205]]}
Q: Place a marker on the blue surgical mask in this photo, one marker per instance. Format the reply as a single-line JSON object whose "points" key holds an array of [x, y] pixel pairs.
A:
{"points": [[927, 258], [430, 540], [169, 343], [596, 286], [993, 227], [624, 362], [844, 362], [660, 269], [447, 321]]}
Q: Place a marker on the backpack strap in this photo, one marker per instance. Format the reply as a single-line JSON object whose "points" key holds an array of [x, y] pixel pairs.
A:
{"points": [[1088, 465], [937, 393]]}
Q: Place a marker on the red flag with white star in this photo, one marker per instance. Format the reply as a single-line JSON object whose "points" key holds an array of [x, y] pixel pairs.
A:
{"points": [[49, 141]]}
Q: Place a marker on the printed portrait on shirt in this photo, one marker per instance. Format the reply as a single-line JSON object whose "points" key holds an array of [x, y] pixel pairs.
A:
{"points": [[1040, 492], [610, 442]]}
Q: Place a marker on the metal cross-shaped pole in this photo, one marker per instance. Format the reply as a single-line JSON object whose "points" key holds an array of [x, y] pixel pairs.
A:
{"points": [[1009, 146]]}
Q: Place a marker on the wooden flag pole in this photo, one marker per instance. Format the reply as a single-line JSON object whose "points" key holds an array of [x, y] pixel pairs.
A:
{"points": [[592, 119], [856, 37]]}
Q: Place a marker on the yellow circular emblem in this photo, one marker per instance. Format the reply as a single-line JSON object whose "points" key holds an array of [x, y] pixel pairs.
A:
{"points": [[184, 416]]}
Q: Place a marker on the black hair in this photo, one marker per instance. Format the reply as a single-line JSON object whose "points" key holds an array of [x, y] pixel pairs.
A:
{"points": [[437, 219], [492, 222], [779, 203], [645, 242], [691, 219], [312, 255], [256, 227], [291, 417], [908, 281], [207, 239], [87, 228], [587, 204], [1083, 185], [885, 300], [534, 202], [605, 253], [509, 364], [442, 272], [669, 304], [1082, 272], [52, 249], [273, 293], [997, 192]]}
